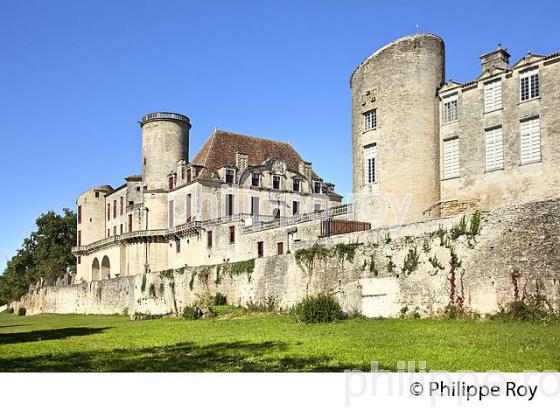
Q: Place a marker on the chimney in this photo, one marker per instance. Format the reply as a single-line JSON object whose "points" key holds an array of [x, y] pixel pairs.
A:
{"points": [[498, 59], [241, 162], [305, 169]]}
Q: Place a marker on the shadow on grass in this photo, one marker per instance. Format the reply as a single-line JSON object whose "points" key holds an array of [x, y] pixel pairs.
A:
{"points": [[182, 357], [50, 334]]}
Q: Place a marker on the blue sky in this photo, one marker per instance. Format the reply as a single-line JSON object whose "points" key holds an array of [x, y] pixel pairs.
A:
{"points": [[76, 76]]}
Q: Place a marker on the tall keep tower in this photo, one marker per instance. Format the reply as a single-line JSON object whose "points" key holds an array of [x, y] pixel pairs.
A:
{"points": [[165, 140], [395, 126]]}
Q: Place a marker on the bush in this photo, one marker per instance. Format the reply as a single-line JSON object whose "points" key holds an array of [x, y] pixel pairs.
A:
{"points": [[10, 311], [322, 308], [21, 311], [220, 299], [529, 309], [190, 313], [264, 305]]}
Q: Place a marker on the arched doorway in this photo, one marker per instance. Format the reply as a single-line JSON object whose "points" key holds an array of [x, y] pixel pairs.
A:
{"points": [[95, 269], [105, 268]]}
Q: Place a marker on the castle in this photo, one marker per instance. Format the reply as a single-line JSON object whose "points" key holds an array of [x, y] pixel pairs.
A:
{"points": [[422, 149]]}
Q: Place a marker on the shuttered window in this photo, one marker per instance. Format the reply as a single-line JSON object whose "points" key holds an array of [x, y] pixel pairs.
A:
{"points": [[530, 141], [494, 149], [370, 164], [451, 158], [530, 85], [492, 96], [450, 109]]}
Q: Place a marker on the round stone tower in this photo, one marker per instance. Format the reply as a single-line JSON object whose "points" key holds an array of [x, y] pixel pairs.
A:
{"points": [[395, 130], [165, 140]]}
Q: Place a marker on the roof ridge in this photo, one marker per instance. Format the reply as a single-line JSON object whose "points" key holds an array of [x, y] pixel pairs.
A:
{"points": [[254, 137]]}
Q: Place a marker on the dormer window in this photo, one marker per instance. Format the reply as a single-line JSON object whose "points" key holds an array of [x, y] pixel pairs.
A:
{"points": [[276, 179], [530, 86], [230, 173], [255, 180], [296, 185], [317, 187]]}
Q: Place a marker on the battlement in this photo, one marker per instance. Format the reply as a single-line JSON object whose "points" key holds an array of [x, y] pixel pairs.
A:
{"points": [[158, 116]]}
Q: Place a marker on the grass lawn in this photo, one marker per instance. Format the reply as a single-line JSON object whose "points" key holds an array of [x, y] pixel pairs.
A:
{"points": [[270, 343]]}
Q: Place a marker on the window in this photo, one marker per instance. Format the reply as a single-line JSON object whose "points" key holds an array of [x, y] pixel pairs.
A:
{"points": [[79, 214], [122, 205], [296, 185], [182, 173], [178, 245], [115, 230], [260, 249], [255, 206], [79, 238], [189, 207], [232, 234], [97, 194], [170, 183], [276, 182], [229, 176], [255, 179], [121, 229], [451, 158], [530, 87], [189, 175], [494, 149], [492, 96], [229, 204], [317, 187], [108, 232], [108, 212], [276, 213], [317, 207], [79, 260], [450, 109], [280, 248], [370, 164], [129, 222], [170, 214], [530, 140], [209, 239], [295, 208], [115, 209], [370, 120]]}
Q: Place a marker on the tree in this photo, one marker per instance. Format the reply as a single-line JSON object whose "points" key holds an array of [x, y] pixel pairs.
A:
{"points": [[45, 253]]}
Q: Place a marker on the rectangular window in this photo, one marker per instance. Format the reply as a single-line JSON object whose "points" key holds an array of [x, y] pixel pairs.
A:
{"points": [[108, 212], [530, 141], [494, 149], [275, 182], [370, 164], [79, 238], [295, 208], [209, 239], [114, 231], [229, 176], [170, 183], [317, 187], [79, 260], [115, 209], [255, 206], [170, 214], [189, 207], [296, 185], [232, 234], [492, 96], [130, 223], [280, 248], [450, 109], [79, 214], [229, 204], [255, 179], [451, 158], [529, 87], [260, 249], [317, 207], [189, 175], [108, 232], [121, 229], [122, 205], [370, 120], [178, 245]]}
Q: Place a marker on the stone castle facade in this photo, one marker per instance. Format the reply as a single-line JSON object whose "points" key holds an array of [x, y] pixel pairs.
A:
{"points": [[422, 149]]}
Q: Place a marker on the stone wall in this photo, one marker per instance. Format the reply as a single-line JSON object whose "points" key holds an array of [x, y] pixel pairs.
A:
{"points": [[365, 270]]}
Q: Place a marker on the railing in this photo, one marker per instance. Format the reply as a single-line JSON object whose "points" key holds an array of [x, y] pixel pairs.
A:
{"points": [[133, 207], [164, 116]]}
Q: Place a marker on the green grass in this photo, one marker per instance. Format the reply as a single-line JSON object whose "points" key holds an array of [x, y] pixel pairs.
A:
{"points": [[265, 342]]}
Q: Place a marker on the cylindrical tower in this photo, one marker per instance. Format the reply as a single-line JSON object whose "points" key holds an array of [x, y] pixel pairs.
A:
{"points": [[395, 126], [91, 214], [165, 140]]}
